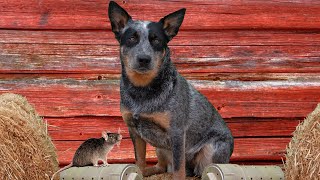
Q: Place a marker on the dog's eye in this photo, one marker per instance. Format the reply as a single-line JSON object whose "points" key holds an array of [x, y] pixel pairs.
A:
{"points": [[132, 38], [156, 41]]}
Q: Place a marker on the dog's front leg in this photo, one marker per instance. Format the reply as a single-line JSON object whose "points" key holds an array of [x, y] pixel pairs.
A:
{"points": [[139, 150], [178, 154]]}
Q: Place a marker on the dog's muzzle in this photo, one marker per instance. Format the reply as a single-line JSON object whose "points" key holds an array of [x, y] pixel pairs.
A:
{"points": [[144, 62]]}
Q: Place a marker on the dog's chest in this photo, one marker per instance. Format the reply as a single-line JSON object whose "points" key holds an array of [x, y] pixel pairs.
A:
{"points": [[160, 119], [152, 127]]}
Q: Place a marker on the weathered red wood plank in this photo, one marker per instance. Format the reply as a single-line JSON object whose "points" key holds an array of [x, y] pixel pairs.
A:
{"points": [[246, 149], [48, 58], [190, 76], [99, 64], [255, 162], [125, 153], [206, 38], [178, 51], [243, 76], [253, 127], [232, 98], [78, 14], [82, 128]]}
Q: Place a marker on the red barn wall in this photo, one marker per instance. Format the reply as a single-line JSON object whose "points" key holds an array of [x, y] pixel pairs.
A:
{"points": [[256, 61]]}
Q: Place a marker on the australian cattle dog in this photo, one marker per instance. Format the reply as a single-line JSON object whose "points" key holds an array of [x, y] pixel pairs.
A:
{"points": [[159, 106]]}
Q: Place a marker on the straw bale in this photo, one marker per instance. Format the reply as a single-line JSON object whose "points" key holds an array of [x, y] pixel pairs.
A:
{"points": [[303, 151], [26, 149]]}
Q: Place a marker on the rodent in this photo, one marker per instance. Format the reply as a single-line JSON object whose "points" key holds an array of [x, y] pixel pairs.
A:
{"points": [[92, 150]]}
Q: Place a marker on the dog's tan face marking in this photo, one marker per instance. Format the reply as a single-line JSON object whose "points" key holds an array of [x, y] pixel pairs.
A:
{"points": [[143, 79], [140, 41], [136, 78]]}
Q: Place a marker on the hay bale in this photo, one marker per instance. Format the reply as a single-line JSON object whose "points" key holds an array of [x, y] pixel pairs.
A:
{"points": [[303, 152], [26, 149]]}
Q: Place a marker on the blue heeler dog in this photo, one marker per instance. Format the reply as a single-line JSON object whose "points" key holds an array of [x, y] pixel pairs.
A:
{"points": [[159, 106]]}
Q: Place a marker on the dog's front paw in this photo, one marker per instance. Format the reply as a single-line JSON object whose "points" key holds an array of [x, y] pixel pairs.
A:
{"points": [[152, 170], [146, 172]]}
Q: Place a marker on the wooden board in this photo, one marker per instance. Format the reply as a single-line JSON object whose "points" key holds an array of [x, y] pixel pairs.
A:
{"points": [[57, 58], [191, 38], [201, 14], [246, 149], [69, 97], [224, 76], [256, 61], [82, 128]]}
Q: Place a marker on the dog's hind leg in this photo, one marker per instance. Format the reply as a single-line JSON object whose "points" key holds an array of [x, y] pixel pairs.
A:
{"points": [[213, 152], [164, 162], [203, 158]]}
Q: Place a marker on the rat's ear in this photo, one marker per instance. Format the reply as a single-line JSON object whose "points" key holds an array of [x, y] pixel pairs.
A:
{"points": [[105, 135], [172, 22], [118, 18]]}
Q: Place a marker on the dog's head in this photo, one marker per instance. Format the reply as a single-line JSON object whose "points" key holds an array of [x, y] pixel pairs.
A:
{"points": [[143, 43]]}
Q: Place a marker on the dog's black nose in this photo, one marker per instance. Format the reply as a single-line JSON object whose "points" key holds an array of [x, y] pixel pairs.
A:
{"points": [[144, 60]]}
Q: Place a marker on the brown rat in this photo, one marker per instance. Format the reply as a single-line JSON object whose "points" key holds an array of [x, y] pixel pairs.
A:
{"points": [[92, 150]]}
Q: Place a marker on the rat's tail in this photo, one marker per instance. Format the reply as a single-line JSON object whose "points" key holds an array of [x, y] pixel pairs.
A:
{"points": [[64, 168]]}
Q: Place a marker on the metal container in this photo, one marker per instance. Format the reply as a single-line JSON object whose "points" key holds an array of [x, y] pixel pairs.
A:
{"points": [[110, 172], [237, 172]]}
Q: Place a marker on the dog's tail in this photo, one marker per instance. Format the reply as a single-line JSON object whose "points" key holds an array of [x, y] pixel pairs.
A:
{"points": [[62, 169]]}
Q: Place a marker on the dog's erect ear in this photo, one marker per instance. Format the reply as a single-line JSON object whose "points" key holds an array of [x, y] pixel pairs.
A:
{"points": [[118, 18], [172, 22]]}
